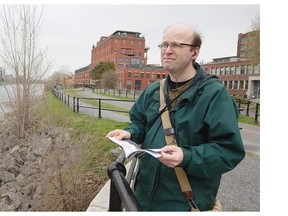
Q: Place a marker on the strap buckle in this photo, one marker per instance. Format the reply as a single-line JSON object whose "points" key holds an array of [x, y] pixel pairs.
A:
{"points": [[169, 131]]}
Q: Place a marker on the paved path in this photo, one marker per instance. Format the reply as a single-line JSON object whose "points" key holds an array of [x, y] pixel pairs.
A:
{"points": [[239, 189]]}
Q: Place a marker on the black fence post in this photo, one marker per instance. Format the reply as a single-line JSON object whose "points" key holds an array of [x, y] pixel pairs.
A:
{"points": [[77, 105], [68, 100], [247, 108], [257, 113], [73, 104], [99, 114]]}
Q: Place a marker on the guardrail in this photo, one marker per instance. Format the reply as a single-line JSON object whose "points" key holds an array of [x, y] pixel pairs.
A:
{"points": [[121, 194], [75, 102], [248, 110]]}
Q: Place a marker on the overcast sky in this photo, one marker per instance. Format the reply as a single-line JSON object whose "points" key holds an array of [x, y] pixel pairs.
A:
{"points": [[69, 31]]}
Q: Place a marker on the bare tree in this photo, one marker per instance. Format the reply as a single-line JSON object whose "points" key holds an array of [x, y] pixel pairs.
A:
{"points": [[59, 77], [21, 55]]}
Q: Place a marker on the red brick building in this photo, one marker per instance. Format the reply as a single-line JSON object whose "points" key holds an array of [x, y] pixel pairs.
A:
{"points": [[237, 73], [82, 76], [128, 52]]}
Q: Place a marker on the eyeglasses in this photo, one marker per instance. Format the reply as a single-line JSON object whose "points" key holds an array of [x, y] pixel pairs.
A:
{"points": [[174, 45]]}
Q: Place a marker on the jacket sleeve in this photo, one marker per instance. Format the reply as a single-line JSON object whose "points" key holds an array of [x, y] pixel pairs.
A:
{"points": [[223, 149], [143, 112], [137, 117]]}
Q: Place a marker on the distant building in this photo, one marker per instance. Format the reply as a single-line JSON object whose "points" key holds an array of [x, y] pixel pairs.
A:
{"points": [[128, 52], [82, 76], [237, 73]]}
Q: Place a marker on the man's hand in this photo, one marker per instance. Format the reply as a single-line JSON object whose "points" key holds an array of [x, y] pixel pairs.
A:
{"points": [[171, 155], [119, 134]]}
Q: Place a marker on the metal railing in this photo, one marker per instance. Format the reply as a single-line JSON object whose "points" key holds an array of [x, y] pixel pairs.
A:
{"points": [[247, 109], [121, 194], [74, 102]]}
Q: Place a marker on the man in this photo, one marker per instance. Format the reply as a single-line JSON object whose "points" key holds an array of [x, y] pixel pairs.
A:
{"points": [[205, 121]]}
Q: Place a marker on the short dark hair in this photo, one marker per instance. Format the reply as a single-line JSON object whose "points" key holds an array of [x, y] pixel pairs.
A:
{"points": [[197, 41]]}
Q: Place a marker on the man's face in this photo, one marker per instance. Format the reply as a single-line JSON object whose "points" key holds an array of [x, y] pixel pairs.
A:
{"points": [[177, 50]]}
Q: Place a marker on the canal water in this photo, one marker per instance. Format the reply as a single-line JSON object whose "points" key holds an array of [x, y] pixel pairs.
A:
{"points": [[8, 91]]}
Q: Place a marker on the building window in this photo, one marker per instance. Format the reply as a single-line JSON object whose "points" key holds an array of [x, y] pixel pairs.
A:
{"points": [[246, 84], [226, 70], [163, 76], [237, 70], [232, 70], [242, 69], [147, 75], [129, 74], [136, 74], [153, 76], [138, 84], [135, 63], [235, 85], [140, 43], [256, 69], [230, 84], [124, 42], [222, 71], [213, 71], [142, 74], [241, 84], [250, 69], [131, 42], [217, 71], [116, 42], [158, 76]]}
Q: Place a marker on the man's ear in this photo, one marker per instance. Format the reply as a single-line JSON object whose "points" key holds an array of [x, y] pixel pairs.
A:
{"points": [[195, 52]]}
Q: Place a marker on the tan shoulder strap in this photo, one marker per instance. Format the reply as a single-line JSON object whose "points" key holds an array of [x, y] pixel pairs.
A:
{"points": [[170, 140]]}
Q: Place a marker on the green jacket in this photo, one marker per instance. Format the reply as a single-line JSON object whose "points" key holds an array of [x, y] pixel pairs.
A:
{"points": [[206, 125]]}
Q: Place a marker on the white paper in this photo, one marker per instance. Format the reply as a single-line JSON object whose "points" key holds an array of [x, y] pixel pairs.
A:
{"points": [[130, 148]]}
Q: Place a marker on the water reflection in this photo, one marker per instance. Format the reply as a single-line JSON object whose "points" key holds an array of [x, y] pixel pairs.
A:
{"points": [[7, 91]]}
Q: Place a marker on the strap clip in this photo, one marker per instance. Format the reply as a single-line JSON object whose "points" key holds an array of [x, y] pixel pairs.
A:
{"points": [[169, 131]]}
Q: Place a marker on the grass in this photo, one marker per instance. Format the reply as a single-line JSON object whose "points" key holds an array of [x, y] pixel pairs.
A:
{"points": [[248, 120], [87, 127]]}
